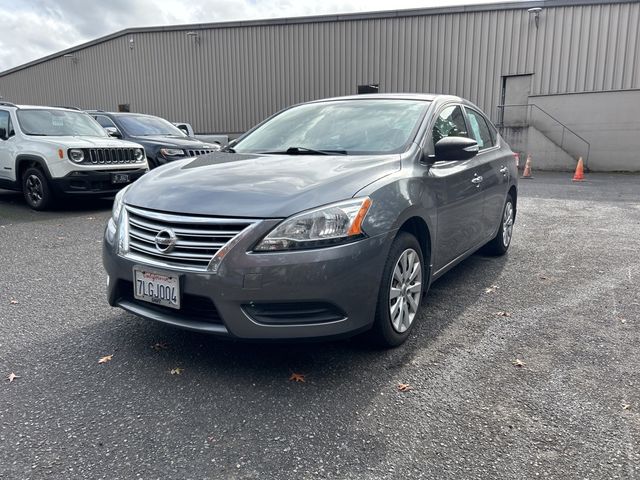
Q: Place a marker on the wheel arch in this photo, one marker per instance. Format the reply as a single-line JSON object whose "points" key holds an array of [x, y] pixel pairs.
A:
{"points": [[26, 161], [418, 228]]}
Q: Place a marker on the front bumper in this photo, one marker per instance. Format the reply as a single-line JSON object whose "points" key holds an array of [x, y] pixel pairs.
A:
{"points": [[322, 293], [97, 182]]}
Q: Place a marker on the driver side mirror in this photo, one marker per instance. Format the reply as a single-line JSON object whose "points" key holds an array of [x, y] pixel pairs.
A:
{"points": [[455, 148], [113, 132], [3, 134]]}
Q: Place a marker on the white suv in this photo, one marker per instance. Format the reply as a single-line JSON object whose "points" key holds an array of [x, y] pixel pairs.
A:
{"points": [[47, 152]]}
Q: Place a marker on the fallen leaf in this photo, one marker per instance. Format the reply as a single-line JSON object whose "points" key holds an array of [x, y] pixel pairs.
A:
{"points": [[160, 346], [491, 289], [177, 371], [404, 387], [542, 277], [623, 320], [297, 377], [503, 314], [518, 363], [626, 406], [12, 376], [60, 238], [105, 359], [14, 302]]}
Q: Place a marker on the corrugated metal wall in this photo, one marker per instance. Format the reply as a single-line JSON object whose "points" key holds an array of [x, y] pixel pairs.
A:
{"points": [[228, 78]]}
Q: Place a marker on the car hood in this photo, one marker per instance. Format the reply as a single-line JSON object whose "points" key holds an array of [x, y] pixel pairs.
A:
{"points": [[86, 142], [256, 186], [168, 141]]}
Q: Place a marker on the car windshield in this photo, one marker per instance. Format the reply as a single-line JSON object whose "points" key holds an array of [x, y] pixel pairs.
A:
{"points": [[354, 127], [145, 125], [44, 122]]}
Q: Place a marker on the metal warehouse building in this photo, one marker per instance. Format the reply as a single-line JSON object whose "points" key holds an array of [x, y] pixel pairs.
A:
{"points": [[562, 80]]}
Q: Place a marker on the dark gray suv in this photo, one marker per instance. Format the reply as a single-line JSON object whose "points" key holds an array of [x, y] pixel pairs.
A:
{"points": [[328, 219]]}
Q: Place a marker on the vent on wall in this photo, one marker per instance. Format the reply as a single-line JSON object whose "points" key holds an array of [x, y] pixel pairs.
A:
{"points": [[371, 88], [124, 107]]}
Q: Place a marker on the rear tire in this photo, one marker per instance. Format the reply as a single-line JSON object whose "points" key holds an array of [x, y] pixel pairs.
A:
{"points": [[500, 243], [36, 189], [401, 290]]}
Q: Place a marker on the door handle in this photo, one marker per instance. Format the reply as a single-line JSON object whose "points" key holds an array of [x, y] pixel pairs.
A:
{"points": [[477, 179], [504, 170]]}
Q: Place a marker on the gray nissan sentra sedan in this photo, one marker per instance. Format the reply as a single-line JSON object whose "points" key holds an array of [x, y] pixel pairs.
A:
{"points": [[330, 218]]}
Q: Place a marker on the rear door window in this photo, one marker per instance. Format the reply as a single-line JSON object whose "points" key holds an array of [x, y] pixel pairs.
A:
{"points": [[4, 124]]}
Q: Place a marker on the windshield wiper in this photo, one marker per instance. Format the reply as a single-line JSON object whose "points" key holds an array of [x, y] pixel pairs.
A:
{"points": [[308, 151]]}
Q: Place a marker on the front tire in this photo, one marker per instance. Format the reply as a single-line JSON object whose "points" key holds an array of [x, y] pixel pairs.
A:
{"points": [[36, 189], [400, 295], [500, 243]]}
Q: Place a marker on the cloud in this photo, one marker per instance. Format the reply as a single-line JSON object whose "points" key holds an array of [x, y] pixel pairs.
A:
{"points": [[36, 28]]}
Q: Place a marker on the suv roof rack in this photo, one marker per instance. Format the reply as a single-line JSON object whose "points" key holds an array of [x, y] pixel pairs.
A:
{"points": [[8, 104], [68, 108]]}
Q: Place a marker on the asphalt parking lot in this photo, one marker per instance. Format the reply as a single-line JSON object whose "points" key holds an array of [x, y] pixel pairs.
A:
{"points": [[521, 367]]}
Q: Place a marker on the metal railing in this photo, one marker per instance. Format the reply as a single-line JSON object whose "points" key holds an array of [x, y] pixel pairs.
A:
{"points": [[516, 115]]}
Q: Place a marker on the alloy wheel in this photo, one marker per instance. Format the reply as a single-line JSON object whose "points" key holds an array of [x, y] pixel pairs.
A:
{"points": [[35, 190], [507, 224], [406, 289]]}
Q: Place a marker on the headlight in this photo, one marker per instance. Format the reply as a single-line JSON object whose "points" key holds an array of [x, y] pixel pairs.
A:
{"points": [[118, 203], [138, 154], [172, 152], [324, 226], [76, 155]]}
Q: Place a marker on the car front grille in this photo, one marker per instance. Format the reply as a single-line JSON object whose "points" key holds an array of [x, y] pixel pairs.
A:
{"points": [[109, 156], [197, 239], [195, 153]]}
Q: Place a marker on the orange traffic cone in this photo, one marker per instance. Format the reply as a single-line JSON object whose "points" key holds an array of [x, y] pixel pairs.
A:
{"points": [[527, 168], [579, 175]]}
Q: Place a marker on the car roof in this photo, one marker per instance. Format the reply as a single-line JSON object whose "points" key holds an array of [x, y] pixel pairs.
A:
{"points": [[427, 97], [119, 114], [36, 107], [440, 98]]}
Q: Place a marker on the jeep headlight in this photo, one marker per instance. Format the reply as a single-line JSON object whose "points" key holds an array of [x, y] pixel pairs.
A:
{"points": [[172, 152], [138, 155], [76, 155], [325, 226]]}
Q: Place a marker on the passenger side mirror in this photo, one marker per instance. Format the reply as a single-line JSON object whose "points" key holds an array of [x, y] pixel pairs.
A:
{"points": [[113, 132], [3, 133], [455, 148]]}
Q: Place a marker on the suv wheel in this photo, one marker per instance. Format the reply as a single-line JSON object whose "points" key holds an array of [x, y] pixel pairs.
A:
{"points": [[401, 290], [36, 189]]}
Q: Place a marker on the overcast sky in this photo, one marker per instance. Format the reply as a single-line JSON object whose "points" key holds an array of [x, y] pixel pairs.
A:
{"points": [[31, 29]]}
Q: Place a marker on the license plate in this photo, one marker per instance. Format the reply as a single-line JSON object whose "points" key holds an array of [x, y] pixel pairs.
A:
{"points": [[157, 288], [120, 178]]}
